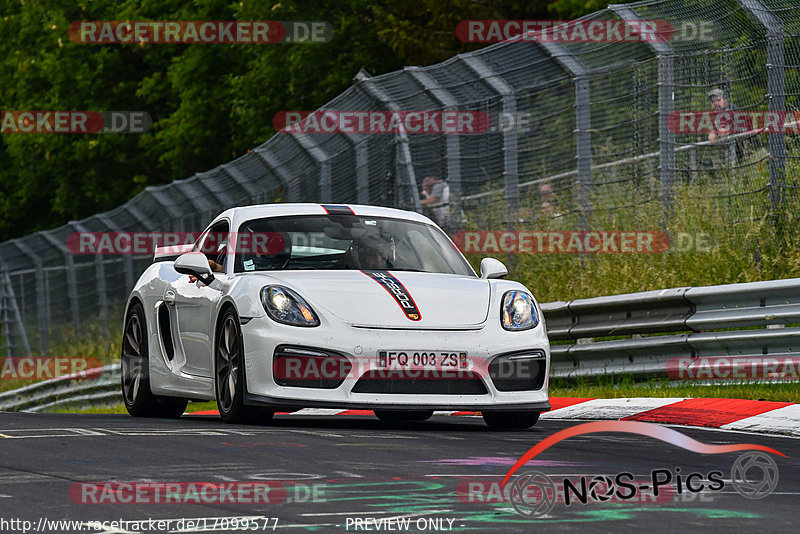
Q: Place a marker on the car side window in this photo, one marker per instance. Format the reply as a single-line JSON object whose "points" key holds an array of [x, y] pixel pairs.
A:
{"points": [[214, 243]]}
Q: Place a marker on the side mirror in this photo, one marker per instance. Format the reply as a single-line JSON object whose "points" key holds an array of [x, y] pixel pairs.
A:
{"points": [[195, 263], [492, 268]]}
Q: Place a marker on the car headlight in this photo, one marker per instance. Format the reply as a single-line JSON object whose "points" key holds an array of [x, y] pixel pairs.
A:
{"points": [[285, 306], [518, 312]]}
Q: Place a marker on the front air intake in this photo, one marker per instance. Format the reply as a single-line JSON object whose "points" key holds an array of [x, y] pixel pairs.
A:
{"points": [[306, 367], [519, 371]]}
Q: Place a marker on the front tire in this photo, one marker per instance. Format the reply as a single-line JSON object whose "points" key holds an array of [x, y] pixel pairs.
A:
{"points": [[229, 382], [510, 420], [402, 416], [136, 393]]}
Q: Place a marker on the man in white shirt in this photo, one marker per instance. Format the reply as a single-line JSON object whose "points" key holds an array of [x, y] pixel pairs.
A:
{"points": [[436, 198]]}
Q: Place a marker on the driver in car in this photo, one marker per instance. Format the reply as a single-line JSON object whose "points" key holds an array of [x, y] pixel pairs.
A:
{"points": [[375, 253], [268, 251], [265, 251]]}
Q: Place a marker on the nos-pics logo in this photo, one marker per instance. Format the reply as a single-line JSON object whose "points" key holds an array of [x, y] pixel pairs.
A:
{"points": [[533, 494]]}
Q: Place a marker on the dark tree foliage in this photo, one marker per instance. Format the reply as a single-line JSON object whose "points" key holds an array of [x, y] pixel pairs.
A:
{"points": [[209, 102]]}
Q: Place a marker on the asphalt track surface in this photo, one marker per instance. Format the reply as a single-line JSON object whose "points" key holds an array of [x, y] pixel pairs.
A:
{"points": [[364, 470]]}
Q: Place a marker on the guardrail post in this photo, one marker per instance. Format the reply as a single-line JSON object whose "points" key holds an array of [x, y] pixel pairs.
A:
{"points": [[666, 105], [510, 163], [583, 126], [776, 95]]}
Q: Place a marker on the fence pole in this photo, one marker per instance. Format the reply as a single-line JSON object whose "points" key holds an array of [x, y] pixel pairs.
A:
{"points": [[323, 160], [510, 163], [362, 172], [290, 183], [241, 180], [666, 105], [402, 146], [41, 294], [583, 125], [10, 299], [776, 96], [72, 282], [452, 143], [100, 281]]}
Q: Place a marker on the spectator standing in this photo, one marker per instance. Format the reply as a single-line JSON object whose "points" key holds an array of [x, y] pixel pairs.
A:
{"points": [[436, 200]]}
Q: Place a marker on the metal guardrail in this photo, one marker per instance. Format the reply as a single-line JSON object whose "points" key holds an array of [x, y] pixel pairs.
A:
{"points": [[687, 314], [698, 317], [66, 391]]}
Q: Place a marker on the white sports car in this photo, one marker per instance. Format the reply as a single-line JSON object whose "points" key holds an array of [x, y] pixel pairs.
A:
{"points": [[285, 306]]}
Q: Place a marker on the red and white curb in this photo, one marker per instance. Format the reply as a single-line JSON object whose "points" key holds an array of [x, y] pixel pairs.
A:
{"points": [[727, 414]]}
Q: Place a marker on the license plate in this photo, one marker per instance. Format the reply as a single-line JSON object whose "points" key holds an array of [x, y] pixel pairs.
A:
{"points": [[422, 359]]}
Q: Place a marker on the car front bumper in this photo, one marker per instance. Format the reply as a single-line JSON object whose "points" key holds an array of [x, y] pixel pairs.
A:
{"points": [[361, 346]]}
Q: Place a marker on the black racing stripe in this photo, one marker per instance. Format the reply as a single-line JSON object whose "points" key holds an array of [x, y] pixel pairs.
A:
{"points": [[397, 290], [337, 209]]}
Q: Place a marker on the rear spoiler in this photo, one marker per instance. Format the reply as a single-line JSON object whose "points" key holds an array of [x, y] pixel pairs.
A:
{"points": [[171, 252]]}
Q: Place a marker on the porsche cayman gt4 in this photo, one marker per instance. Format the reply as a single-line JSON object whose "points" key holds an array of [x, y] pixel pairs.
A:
{"points": [[287, 306]]}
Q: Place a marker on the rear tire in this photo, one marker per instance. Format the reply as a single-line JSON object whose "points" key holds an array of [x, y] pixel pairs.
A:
{"points": [[510, 420], [401, 416], [136, 393], [229, 383]]}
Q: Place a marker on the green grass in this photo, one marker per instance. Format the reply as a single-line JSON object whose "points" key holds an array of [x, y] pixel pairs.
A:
{"points": [[625, 387], [93, 343], [114, 408], [119, 408]]}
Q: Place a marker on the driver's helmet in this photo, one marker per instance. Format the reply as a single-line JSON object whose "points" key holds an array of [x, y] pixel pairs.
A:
{"points": [[266, 250]]}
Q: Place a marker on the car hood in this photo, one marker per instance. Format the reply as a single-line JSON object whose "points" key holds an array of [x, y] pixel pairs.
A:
{"points": [[392, 298]]}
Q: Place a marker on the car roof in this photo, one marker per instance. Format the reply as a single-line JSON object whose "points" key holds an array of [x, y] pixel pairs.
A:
{"points": [[246, 213]]}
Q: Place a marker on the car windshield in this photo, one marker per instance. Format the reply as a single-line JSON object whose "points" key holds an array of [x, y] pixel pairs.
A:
{"points": [[345, 242]]}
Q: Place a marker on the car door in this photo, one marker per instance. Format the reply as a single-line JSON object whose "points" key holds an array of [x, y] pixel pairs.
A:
{"points": [[194, 304]]}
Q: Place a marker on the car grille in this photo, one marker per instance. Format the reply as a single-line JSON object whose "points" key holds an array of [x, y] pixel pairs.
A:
{"points": [[398, 382]]}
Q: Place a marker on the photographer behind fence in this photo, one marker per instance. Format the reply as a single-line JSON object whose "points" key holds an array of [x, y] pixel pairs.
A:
{"points": [[436, 201], [732, 150]]}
